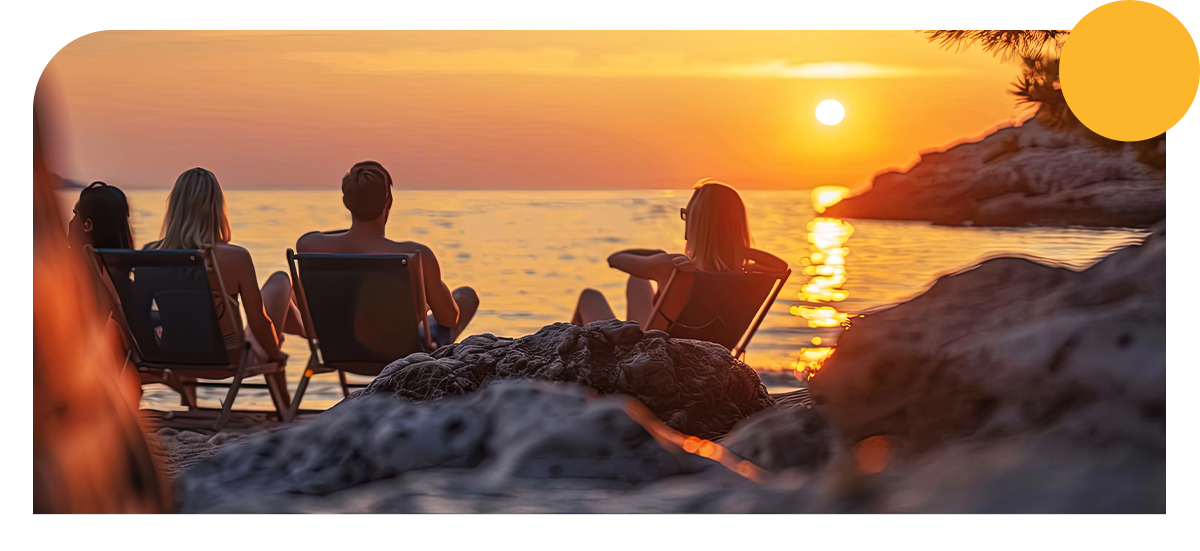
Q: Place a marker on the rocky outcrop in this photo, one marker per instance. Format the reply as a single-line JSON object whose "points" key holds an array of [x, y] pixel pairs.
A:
{"points": [[776, 439], [1011, 387], [1008, 347], [1023, 175], [509, 430], [695, 387]]}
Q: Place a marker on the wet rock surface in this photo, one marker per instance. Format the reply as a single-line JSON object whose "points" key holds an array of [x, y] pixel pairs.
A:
{"points": [[508, 431], [1015, 367], [776, 439], [695, 387], [1022, 175]]}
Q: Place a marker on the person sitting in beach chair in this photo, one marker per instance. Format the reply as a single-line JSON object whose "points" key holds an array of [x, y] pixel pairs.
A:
{"points": [[718, 290], [196, 219], [357, 287], [100, 218], [367, 194]]}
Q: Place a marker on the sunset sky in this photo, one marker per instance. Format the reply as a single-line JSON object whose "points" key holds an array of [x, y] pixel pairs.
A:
{"points": [[517, 109]]}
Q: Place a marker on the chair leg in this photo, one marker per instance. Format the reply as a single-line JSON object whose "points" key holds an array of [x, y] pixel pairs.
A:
{"points": [[277, 386], [188, 396], [292, 411], [345, 387], [230, 396]]}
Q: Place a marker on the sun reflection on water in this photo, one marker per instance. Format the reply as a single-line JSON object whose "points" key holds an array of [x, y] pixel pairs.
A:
{"points": [[825, 267]]}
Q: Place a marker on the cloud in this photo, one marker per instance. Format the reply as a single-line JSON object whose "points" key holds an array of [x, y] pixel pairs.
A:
{"points": [[566, 62]]}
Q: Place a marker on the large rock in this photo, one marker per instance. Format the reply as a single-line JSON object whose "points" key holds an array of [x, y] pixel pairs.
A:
{"points": [[1022, 175], [507, 431], [1012, 387], [777, 439], [1009, 347], [695, 387]]}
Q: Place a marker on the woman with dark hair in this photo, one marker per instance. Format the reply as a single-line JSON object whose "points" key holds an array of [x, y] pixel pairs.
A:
{"points": [[101, 219]]}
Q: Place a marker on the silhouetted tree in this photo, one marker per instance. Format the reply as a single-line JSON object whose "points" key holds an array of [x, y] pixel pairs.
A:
{"points": [[1038, 84], [1004, 44]]}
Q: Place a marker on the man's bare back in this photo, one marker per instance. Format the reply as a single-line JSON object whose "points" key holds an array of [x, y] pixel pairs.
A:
{"points": [[366, 192]]}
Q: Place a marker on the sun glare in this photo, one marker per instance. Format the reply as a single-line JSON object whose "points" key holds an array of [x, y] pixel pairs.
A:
{"points": [[830, 112], [826, 196]]}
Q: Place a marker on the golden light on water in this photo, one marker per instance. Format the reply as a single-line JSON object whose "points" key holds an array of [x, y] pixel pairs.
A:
{"points": [[827, 196], [826, 268], [811, 359]]}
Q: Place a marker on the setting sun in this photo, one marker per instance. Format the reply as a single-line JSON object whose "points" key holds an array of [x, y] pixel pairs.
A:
{"points": [[830, 112]]}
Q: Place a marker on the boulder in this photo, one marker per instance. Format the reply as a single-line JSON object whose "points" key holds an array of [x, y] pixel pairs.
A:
{"points": [[1012, 348], [1012, 387], [508, 430], [695, 387], [777, 439], [1022, 175]]}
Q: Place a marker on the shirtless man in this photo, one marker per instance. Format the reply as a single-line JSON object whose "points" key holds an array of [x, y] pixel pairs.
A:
{"points": [[367, 194]]}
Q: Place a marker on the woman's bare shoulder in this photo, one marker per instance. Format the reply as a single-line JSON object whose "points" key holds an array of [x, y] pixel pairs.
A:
{"points": [[232, 256]]}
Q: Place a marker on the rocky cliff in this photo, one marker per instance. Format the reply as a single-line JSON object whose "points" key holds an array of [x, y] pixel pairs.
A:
{"points": [[1023, 175]]}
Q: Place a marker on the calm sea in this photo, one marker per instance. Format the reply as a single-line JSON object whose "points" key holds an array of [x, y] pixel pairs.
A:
{"points": [[530, 253]]}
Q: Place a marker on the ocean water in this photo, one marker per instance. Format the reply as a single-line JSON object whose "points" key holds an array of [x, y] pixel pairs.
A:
{"points": [[529, 253]]}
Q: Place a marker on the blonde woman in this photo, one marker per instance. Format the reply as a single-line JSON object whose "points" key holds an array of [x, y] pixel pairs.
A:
{"points": [[718, 240], [196, 217]]}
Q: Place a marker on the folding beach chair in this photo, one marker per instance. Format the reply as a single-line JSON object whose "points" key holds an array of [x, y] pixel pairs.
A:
{"points": [[361, 312], [170, 319], [722, 307]]}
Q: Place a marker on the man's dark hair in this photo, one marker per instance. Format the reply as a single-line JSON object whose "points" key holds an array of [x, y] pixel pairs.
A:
{"points": [[366, 189]]}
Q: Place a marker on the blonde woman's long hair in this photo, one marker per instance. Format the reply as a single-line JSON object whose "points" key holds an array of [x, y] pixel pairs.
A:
{"points": [[196, 214], [718, 232]]}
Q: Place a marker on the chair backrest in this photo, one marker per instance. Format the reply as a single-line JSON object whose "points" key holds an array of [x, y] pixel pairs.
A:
{"points": [[168, 307], [722, 307], [363, 310]]}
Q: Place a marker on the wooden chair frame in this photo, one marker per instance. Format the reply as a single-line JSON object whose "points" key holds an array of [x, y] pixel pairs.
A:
{"points": [[316, 362], [184, 378], [739, 350]]}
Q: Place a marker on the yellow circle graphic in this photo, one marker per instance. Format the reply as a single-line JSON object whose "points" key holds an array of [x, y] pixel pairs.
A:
{"points": [[1129, 70]]}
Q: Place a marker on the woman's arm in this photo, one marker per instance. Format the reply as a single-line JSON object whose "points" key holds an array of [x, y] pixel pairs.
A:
{"points": [[657, 266], [640, 252], [247, 288], [765, 261]]}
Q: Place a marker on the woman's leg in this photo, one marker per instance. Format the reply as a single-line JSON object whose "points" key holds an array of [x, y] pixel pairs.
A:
{"points": [[468, 303], [281, 306], [277, 300], [639, 300], [592, 306]]}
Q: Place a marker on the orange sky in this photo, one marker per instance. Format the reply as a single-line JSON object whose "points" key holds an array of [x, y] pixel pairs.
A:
{"points": [[517, 109]]}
